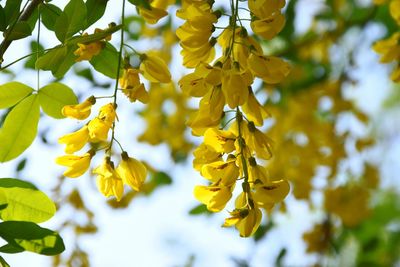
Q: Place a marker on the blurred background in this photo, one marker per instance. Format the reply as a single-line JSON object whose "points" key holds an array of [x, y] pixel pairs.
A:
{"points": [[335, 122]]}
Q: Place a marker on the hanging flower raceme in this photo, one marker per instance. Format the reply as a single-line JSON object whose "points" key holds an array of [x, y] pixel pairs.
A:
{"points": [[155, 10]]}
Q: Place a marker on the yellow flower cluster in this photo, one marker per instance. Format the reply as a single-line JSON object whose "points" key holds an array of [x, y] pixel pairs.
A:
{"points": [[228, 156], [110, 181], [389, 48]]}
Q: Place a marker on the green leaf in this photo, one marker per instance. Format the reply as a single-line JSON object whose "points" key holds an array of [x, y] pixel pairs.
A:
{"points": [[140, 3], [95, 10], [30, 236], [31, 61], [199, 209], [161, 178], [58, 60], [49, 14], [13, 92], [53, 97], [3, 262], [12, 10], [24, 204], [3, 21], [107, 61], [12, 182], [19, 129], [20, 30], [71, 20], [11, 249]]}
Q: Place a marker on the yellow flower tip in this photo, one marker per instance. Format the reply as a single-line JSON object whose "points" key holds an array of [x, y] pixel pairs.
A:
{"points": [[154, 69], [152, 15], [77, 165], [76, 140], [132, 172], [80, 111], [215, 197]]}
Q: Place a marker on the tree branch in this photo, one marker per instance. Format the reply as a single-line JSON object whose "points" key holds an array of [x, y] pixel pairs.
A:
{"points": [[25, 15]]}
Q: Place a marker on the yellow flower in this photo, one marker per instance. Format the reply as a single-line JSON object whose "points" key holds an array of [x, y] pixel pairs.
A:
{"points": [[268, 194], [132, 172], [80, 111], [76, 140], [152, 15], [209, 113], [77, 165], [268, 27], [99, 126], [245, 217], [350, 203], [395, 10], [221, 141], [108, 182], [194, 84], [254, 110], [204, 154], [226, 173], [257, 173], [271, 69], [132, 87], [388, 48], [214, 196], [235, 85], [194, 56], [154, 69], [87, 51]]}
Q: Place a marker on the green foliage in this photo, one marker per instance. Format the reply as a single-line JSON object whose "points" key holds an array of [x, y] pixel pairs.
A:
{"points": [[50, 13], [53, 97], [199, 210], [19, 129], [11, 10], [20, 30], [24, 202], [71, 20], [29, 236], [107, 61], [58, 60], [22, 205], [95, 10], [13, 92]]}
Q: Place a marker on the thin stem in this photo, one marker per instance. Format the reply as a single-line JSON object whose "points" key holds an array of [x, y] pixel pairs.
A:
{"points": [[133, 49], [21, 58], [118, 72], [239, 118], [119, 144], [37, 49]]}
